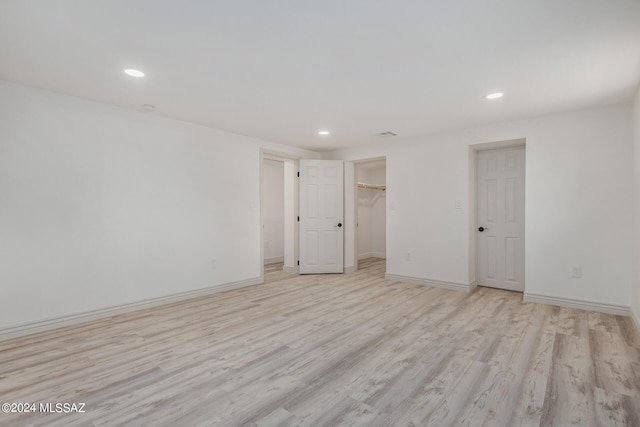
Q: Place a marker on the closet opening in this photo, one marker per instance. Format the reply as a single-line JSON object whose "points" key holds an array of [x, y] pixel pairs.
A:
{"points": [[371, 213]]}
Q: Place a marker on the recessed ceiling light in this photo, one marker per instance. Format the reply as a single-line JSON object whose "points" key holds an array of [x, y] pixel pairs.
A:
{"points": [[323, 132], [133, 73], [495, 95]]}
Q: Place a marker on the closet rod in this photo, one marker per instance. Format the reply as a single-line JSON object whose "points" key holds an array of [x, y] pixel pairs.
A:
{"points": [[372, 187]]}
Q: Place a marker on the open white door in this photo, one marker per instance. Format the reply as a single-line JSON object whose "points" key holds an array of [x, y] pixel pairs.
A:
{"points": [[321, 216]]}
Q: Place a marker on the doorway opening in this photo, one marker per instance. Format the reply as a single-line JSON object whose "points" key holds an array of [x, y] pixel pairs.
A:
{"points": [[278, 212], [499, 218], [371, 213], [273, 211]]}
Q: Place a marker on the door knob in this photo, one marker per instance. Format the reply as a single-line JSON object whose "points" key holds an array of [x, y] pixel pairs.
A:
{"points": [[481, 229], [339, 224]]}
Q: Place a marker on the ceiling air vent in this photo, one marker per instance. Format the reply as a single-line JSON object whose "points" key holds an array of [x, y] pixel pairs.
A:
{"points": [[387, 134]]}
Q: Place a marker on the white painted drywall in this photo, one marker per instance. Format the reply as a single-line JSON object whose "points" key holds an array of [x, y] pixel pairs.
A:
{"points": [[578, 202], [350, 231], [635, 300], [364, 230], [102, 206], [379, 214], [365, 197], [371, 213], [273, 210], [290, 215]]}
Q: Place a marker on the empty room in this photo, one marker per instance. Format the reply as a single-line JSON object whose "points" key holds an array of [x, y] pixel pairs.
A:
{"points": [[325, 213]]}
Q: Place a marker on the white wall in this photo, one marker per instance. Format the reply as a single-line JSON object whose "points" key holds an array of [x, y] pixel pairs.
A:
{"points": [[371, 213], [578, 204], [350, 230], [365, 198], [635, 301], [102, 206], [273, 210], [379, 214], [290, 216]]}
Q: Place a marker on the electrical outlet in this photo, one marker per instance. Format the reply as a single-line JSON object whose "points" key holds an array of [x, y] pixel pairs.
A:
{"points": [[458, 204], [576, 272]]}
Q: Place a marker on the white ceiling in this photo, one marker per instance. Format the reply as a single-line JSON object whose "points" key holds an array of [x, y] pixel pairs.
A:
{"points": [[281, 70]]}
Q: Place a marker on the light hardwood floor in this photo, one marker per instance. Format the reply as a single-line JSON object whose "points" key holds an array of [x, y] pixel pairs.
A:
{"points": [[331, 350]]}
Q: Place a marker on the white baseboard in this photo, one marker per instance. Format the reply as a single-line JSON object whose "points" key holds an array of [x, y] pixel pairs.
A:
{"points": [[426, 282], [372, 255], [288, 269], [71, 319], [620, 310], [273, 260], [350, 269], [473, 286]]}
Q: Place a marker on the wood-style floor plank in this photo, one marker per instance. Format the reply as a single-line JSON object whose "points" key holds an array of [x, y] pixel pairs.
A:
{"points": [[571, 385], [333, 350]]}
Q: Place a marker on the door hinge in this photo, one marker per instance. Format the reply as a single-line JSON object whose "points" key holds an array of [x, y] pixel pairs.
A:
{"points": [[298, 174], [298, 262], [298, 219]]}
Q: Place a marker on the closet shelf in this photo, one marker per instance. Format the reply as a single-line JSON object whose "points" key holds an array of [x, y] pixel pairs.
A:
{"points": [[372, 187]]}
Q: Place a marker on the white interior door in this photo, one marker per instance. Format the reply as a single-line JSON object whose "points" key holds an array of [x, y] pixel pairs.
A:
{"points": [[321, 216], [500, 218]]}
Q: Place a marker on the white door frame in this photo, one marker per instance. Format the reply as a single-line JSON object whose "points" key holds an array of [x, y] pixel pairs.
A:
{"points": [[291, 196], [473, 157]]}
